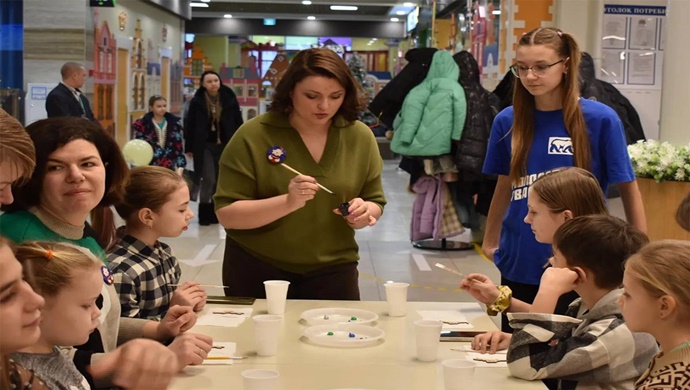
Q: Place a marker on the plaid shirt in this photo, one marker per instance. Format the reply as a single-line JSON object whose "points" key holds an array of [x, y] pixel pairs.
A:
{"points": [[143, 275], [596, 350]]}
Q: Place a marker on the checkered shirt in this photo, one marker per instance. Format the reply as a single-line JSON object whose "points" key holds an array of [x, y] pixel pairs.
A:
{"points": [[143, 275], [596, 350]]}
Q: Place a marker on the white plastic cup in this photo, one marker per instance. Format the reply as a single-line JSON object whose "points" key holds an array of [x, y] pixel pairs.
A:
{"points": [[428, 337], [396, 295], [457, 374], [256, 379], [276, 295], [267, 333]]}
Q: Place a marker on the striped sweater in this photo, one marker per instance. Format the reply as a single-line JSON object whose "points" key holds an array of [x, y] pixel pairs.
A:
{"points": [[592, 350]]}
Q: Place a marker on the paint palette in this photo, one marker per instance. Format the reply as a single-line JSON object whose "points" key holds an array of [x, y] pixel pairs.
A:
{"points": [[343, 335], [339, 315]]}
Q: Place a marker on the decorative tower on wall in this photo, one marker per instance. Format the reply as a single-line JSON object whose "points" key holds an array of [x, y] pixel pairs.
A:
{"points": [[153, 72], [519, 17], [193, 68], [138, 69], [273, 75], [104, 77]]}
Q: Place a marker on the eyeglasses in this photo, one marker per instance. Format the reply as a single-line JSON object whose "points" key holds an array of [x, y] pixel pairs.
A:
{"points": [[538, 70]]}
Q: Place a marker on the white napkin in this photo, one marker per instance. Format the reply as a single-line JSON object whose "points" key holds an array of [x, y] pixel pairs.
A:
{"points": [[222, 352], [230, 317], [448, 317]]}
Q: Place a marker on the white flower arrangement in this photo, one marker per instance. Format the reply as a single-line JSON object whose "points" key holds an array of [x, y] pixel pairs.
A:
{"points": [[660, 161]]}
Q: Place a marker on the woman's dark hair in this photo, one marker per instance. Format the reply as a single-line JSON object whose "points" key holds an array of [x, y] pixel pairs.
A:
{"points": [[319, 62], [201, 79], [51, 134]]}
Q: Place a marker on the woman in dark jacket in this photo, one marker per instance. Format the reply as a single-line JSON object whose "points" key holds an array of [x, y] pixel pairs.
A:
{"points": [[214, 116], [163, 131]]}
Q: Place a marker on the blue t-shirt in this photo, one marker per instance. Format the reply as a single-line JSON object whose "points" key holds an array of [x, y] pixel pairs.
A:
{"points": [[519, 257]]}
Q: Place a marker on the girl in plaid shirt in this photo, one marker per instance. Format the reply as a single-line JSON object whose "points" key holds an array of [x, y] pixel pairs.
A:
{"points": [[155, 205]]}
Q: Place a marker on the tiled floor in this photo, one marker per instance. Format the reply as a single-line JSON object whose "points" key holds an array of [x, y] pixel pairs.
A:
{"points": [[385, 250]]}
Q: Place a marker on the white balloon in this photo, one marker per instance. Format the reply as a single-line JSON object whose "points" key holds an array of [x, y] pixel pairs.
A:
{"points": [[138, 152]]}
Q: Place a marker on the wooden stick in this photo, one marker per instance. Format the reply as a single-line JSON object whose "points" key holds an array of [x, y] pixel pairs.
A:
{"points": [[443, 267], [224, 357], [201, 285], [293, 170]]}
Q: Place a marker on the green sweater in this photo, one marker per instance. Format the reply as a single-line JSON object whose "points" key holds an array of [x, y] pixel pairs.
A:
{"points": [[312, 237], [23, 226]]}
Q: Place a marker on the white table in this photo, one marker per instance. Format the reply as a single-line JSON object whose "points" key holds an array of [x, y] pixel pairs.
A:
{"points": [[387, 366]]}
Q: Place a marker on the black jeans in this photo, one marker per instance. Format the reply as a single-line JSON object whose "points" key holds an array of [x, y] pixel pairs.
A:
{"points": [[244, 275], [209, 172], [527, 293]]}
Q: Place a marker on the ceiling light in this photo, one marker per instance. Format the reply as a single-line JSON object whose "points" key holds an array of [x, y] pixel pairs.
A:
{"points": [[374, 39], [311, 17], [408, 4], [400, 12], [227, 16], [343, 8], [306, 2], [199, 5], [205, 1], [496, 12], [395, 20]]}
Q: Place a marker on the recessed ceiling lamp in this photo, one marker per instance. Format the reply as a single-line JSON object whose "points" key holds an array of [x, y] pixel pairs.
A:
{"points": [[306, 2], [199, 5], [227, 16], [408, 4], [205, 1], [395, 20], [344, 8], [311, 17], [400, 12]]}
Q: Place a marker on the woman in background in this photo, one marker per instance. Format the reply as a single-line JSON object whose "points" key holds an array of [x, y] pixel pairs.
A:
{"points": [[214, 116]]}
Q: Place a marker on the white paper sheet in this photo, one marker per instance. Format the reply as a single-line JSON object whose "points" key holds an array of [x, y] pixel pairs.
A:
{"points": [[452, 319], [223, 352]]}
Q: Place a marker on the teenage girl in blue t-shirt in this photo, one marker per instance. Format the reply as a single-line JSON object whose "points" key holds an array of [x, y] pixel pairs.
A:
{"points": [[548, 127]]}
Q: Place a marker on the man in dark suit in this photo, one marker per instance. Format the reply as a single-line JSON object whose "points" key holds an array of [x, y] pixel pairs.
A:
{"points": [[66, 99]]}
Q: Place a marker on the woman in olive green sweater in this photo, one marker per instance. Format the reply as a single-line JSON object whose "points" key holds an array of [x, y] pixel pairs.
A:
{"points": [[284, 226]]}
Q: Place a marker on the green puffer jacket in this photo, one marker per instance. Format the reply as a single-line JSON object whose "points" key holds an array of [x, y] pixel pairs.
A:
{"points": [[433, 113]]}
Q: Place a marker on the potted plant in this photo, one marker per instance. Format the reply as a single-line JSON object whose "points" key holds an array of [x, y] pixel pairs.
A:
{"points": [[663, 172]]}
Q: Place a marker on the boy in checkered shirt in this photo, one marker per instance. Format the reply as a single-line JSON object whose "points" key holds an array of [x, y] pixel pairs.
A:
{"points": [[590, 347]]}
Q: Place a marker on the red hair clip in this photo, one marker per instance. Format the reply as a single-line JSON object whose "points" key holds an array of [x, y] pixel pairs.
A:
{"points": [[49, 254]]}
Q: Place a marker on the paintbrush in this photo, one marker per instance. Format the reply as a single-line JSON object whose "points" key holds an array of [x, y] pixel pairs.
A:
{"points": [[293, 170], [443, 267], [201, 285]]}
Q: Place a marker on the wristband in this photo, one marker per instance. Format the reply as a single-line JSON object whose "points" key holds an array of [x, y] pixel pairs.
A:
{"points": [[502, 302]]}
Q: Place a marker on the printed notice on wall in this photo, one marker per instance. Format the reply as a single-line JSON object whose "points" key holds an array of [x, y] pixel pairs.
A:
{"points": [[632, 40], [613, 66], [641, 68]]}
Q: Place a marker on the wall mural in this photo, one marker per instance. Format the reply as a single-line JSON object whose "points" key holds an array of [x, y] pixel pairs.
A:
{"points": [[104, 77]]}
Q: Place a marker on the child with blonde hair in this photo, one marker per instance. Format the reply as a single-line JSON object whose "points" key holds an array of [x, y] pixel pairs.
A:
{"points": [[657, 301], [69, 279], [155, 205]]}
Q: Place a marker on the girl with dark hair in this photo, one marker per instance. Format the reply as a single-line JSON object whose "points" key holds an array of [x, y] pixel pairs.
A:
{"points": [[281, 226], [549, 126], [214, 116], [163, 131]]}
